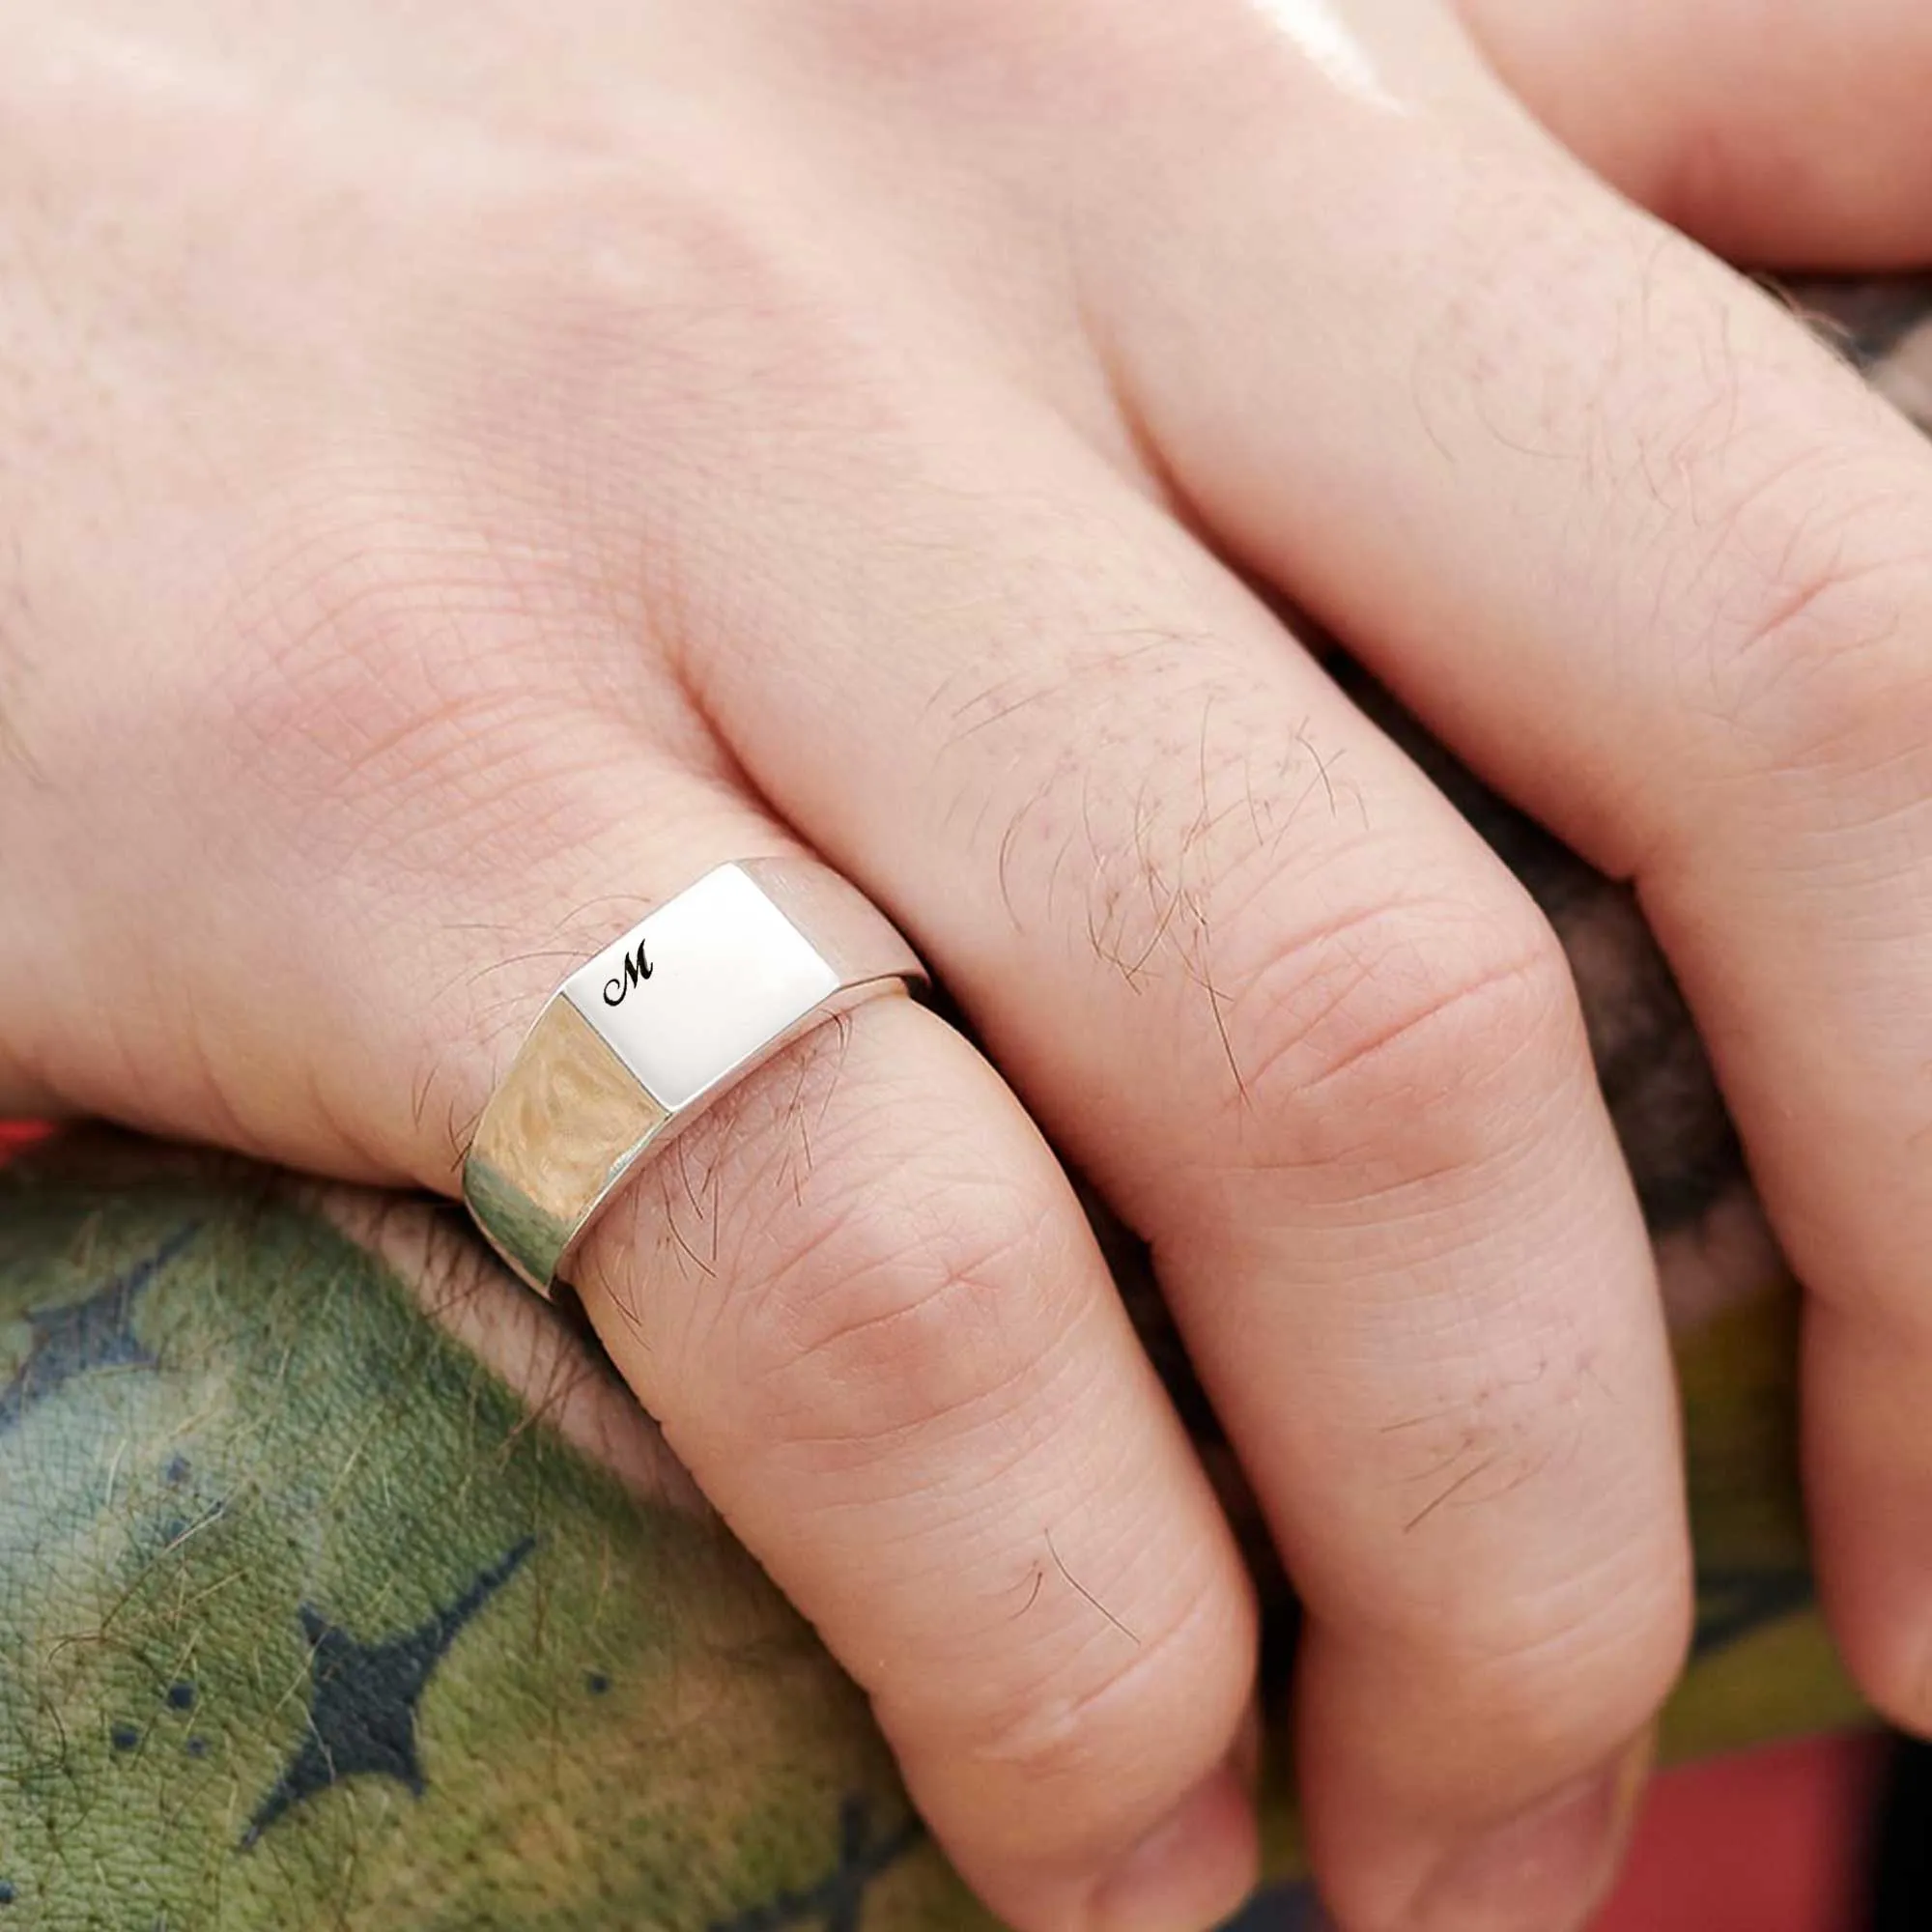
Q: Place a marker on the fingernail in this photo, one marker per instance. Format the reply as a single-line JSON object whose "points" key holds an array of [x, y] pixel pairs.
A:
{"points": [[1191, 1871], [1545, 1868]]}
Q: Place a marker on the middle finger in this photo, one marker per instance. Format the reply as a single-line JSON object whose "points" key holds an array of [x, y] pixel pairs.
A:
{"points": [[1261, 982]]}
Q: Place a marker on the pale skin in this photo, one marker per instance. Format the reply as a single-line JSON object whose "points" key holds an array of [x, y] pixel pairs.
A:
{"points": [[464, 472]]}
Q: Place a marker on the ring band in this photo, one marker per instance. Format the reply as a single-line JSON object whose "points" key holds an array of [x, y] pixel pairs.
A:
{"points": [[640, 1041]]}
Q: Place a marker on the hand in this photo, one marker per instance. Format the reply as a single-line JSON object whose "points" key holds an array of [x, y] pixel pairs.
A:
{"points": [[466, 471]]}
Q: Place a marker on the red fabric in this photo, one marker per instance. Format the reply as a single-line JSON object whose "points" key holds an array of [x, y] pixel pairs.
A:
{"points": [[18, 1133], [1773, 1840]]}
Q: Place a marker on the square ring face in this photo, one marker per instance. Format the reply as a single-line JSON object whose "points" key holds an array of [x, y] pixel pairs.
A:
{"points": [[700, 986]]}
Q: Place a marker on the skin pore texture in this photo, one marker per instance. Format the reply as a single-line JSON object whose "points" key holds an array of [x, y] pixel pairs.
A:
{"points": [[343, 1584]]}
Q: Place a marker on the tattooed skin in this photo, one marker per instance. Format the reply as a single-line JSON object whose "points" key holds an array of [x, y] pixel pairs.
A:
{"points": [[342, 1585], [339, 1585]]}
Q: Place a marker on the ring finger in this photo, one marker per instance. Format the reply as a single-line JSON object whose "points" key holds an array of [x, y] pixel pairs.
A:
{"points": [[862, 1301]]}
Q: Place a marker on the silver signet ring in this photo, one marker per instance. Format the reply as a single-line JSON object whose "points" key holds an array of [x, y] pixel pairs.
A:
{"points": [[640, 1041]]}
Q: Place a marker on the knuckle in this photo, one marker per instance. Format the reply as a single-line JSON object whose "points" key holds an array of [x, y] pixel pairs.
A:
{"points": [[358, 656], [396, 703], [1090, 1754], [893, 1317], [688, 304], [1412, 1016], [1404, 1006], [1581, 1618], [1814, 643], [897, 1283], [1585, 1660]]}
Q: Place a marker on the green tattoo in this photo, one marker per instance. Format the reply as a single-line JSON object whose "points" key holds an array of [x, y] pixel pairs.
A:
{"points": [[309, 1621]]}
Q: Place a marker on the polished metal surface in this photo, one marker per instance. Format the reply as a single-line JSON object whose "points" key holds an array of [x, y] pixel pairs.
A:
{"points": [[640, 1041]]}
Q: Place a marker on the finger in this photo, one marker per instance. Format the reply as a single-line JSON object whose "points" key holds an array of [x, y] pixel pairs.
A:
{"points": [[866, 1311], [863, 1303], [1658, 565], [1777, 132], [1316, 1044]]}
